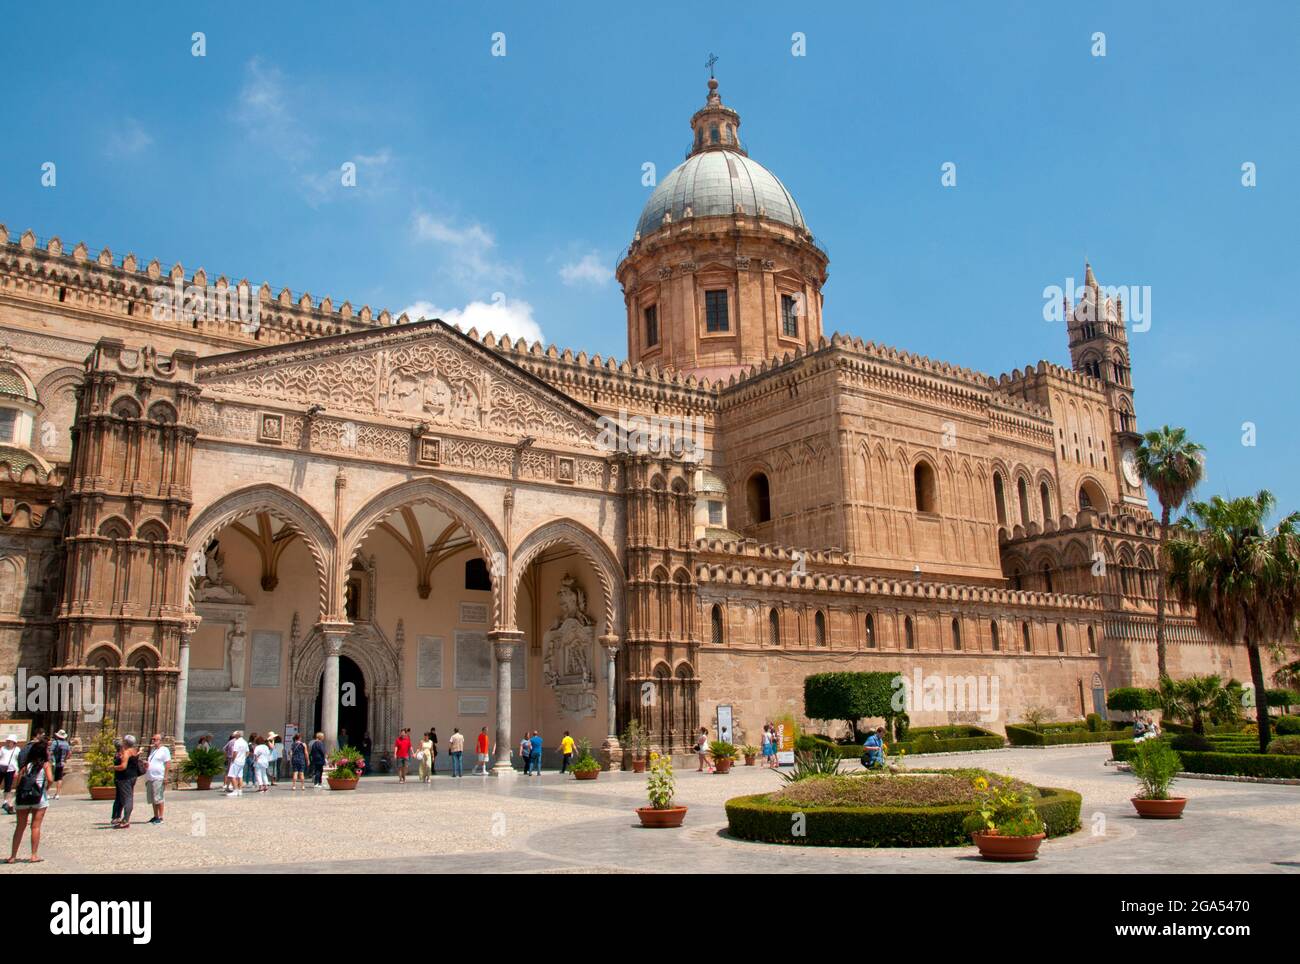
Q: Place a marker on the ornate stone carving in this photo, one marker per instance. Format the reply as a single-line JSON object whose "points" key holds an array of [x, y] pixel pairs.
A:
{"points": [[568, 652]]}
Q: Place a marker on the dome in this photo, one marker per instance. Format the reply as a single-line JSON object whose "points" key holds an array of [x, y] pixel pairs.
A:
{"points": [[718, 182]]}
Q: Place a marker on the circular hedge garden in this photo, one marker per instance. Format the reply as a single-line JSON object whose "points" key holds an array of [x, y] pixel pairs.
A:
{"points": [[917, 809]]}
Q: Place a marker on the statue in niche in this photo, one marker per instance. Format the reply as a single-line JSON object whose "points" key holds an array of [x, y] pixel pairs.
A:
{"points": [[567, 649], [212, 586], [237, 638]]}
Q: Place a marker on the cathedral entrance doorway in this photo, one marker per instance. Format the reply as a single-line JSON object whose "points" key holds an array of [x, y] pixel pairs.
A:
{"points": [[354, 720]]}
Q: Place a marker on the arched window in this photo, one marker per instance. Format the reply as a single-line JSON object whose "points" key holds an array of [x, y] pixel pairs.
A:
{"points": [[1091, 497], [908, 633], [774, 628], [476, 576], [713, 134], [927, 491], [997, 643], [819, 623], [1024, 632], [1047, 578], [871, 632], [759, 497], [1023, 493], [999, 499], [1092, 640], [716, 620], [1045, 496], [956, 634], [1060, 639]]}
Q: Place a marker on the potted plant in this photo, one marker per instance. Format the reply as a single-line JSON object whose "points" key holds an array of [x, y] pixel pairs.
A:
{"points": [[101, 755], [1005, 826], [346, 766], [750, 752], [660, 787], [1155, 764], [637, 741], [586, 767], [202, 764], [723, 753]]}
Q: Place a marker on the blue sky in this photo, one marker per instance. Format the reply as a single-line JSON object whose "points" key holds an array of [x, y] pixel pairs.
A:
{"points": [[520, 176]]}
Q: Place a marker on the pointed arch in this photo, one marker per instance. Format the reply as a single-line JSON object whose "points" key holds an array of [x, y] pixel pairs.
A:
{"points": [[591, 547]]}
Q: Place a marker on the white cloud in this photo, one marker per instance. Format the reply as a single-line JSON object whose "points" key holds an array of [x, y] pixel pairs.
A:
{"points": [[499, 316], [265, 114], [127, 139], [591, 269], [322, 185], [469, 249]]}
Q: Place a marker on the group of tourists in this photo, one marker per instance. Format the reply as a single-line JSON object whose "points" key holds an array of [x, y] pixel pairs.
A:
{"points": [[1144, 728], [259, 760], [531, 747]]}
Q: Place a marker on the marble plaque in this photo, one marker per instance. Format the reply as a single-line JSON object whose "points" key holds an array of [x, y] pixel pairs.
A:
{"points": [[428, 672], [473, 661], [473, 613], [264, 667], [519, 668], [471, 706]]}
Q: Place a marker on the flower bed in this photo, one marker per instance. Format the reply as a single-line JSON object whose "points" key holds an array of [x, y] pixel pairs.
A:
{"points": [[919, 811]]}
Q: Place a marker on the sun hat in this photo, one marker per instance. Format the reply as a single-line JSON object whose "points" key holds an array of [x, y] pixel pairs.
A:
{"points": [[60, 734]]}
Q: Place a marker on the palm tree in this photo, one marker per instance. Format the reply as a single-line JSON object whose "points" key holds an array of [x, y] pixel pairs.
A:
{"points": [[1242, 577], [1197, 698], [1171, 466]]}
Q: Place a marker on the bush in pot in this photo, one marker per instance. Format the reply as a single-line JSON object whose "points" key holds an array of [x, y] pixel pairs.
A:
{"points": [[1155, 764], [750, 753], [586, 767], [661, 786], [346, 764], [636, 741], [1005, 825], [101, 755], [723, 753], [202, 764]]}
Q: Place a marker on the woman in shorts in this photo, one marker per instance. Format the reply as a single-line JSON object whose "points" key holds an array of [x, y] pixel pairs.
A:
{"points": [[37, 767], [298, 763]]}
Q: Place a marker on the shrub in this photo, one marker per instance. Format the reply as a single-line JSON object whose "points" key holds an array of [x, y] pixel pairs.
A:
{"points": [[1282, 697], [849, 697], [101, 756], [820, 761], [585, 762], [1095, 723], [1155, 764], [1287, 745], [660, 784], [1287, 725], [1024, 736], [204, 761], [1132, 699], [1037, 715], [1190, 741], [722, 750]]}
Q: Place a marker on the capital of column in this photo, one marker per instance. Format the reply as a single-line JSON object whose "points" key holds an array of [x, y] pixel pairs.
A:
{"points": [[504, 642], [334, 634], [612, 644]]}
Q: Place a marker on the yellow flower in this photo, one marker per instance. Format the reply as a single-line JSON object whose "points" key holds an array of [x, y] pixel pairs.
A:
{"points": [[981, 784], [653, 756]]}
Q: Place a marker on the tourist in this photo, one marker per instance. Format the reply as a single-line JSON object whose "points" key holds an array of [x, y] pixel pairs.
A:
{"points": [[456, 749], [366, 747], [426, 759], [433, 753], [298, 763], [536, 756], [32, 801], [38, 737], [229, 749], [205, 741], [526, 752], [702, 751], [343, 738], [317, 757], [481, 747], [276, 746], [126, 770], [8, 767], [250, 772], [155, 779], [402, 751], [238, 760], [566, 752], [261, 762], [874, 748], [60, 751]]}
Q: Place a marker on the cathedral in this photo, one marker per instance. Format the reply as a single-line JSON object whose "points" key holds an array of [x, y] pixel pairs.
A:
{"points": [[234, 507]]}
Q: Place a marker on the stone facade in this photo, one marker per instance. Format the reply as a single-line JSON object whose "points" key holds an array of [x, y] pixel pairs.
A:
{"points": [[282, 511]]}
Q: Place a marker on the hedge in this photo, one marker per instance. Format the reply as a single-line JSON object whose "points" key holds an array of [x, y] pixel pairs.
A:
{"points": [[1226, 764], [986, 740], [1287, 725], [1028, 736], [757, 818]]}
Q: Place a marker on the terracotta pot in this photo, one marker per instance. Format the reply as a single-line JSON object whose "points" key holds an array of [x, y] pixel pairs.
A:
{"points": [[638, 765], [997, 847], [585, 774], [722, 766], [339, 784], [668, 817], [749, 759], [103, 793], [203, 783], [1170, 809]]}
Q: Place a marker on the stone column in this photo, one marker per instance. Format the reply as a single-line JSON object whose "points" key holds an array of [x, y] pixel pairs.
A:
{"points": [[329, 705], [188, 630], [505, 644], [610, 749]]}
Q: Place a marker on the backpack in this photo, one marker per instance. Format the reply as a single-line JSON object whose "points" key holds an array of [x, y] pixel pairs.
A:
{"points": [[30, 791]]}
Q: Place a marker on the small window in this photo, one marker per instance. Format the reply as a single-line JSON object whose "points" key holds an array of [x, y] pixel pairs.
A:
{"points": [[956, 634], [715, 512], [871, 632], [1047, 579], [8, 424], [1024, 631], [927, 496], [994, 636], [1045, 497], [1092, 640], [1023, 493], [789, 316], [652, 325], [759, 498], [820, 624], [476, 576], [999, 499], [717, 625], [909, 634], [1060, 639], [774, 628], [713, 134], [715, 311]]}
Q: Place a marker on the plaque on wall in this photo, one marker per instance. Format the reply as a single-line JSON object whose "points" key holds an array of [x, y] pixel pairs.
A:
{"points": [[519, 668], [472, 706], [264, 669], [473, 661], [473, 613], [428, 667]]}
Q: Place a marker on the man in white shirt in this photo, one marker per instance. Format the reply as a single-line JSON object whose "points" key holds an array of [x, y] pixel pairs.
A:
{"points": [[155, 778], [239, 756], [9, 751]]}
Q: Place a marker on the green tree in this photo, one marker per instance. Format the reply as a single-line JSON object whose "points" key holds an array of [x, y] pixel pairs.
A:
{"points": [[849, 697], [1242, 576], [1171, 466]]}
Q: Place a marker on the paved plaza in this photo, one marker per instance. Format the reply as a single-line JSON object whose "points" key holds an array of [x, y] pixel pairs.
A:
{"points": [[557, 825]]}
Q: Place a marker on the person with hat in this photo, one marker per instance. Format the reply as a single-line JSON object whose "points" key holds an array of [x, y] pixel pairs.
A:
{"points": [[8, 767], [276, 746], [60, 752]]}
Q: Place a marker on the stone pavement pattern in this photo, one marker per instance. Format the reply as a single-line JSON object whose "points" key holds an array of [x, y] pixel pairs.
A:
{"points": [[558, 825]]}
